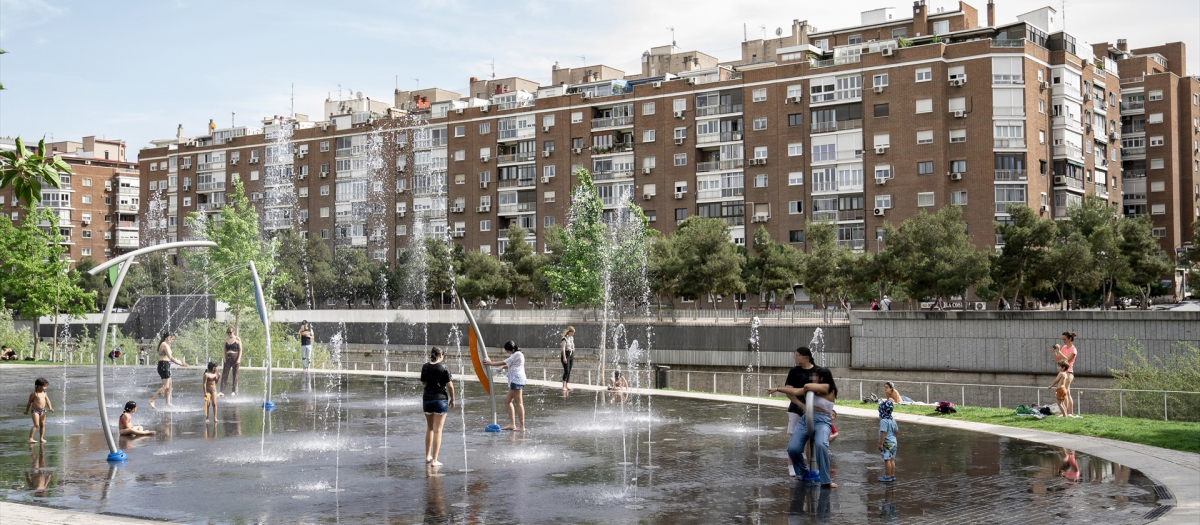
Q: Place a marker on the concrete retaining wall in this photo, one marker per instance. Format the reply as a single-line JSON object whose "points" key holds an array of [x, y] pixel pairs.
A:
{"points": [[1011, 342]]}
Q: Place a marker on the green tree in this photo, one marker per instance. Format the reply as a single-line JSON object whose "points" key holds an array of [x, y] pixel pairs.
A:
{"points": [[1098, 222], [20, 341], [482, 277], [353, 276], [27, 171], [1191, 258], [708, 262], [821, 275], [238, 242], [521, 264], [936, 256], [1027, 240], [1144, 258], [773, 268], [577, 276], [438, 276], [95, 284], [629, 237], [663, 270], [35, 279]]}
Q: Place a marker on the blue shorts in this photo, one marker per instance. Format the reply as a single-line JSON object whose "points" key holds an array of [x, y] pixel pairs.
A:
{"points": [[437, 406], [515, 386], [889, 451]]}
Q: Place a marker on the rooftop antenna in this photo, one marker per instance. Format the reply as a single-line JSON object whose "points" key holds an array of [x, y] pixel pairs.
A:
{"points": [[418, 81], [293, 110], [493, 68], [764, 31], [232, 116], [672, 30], [339, 91], [584, 59]]}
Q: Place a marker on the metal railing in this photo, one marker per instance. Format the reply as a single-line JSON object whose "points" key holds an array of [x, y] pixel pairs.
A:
{"points": [[1007, 79], [715, 165], [520, 207], [516, 183], [836, 125], [612, 122], [1068, 150], [524, 156], [1070, 182], [720, 109], [1133, 173], [1133, 150], [850, 215], [724, 136], [1008, 143], [612, 174], [1011, 176], [1008, 42]]}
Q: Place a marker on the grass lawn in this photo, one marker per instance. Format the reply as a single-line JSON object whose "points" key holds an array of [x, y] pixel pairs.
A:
{"points": [[1175, 435]]}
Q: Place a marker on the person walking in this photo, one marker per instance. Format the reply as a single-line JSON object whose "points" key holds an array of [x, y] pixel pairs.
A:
{"points": [[164, 368], [567, 356], [437, 400], [306, 341], [1067, 354], [233, 360]]}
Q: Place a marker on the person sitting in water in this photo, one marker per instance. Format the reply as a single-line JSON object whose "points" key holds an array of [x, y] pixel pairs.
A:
{"points": [[617, 382], [126, 423]]}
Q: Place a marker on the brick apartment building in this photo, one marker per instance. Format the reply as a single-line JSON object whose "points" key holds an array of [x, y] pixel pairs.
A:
{"points": [[98, 205], [863, 125]]}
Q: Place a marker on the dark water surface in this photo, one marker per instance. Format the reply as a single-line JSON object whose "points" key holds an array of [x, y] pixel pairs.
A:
{"points": [[323, 456]]}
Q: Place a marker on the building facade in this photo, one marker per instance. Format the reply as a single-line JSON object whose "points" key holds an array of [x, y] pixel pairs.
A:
{"points": [[99, 203], [862, 126]]}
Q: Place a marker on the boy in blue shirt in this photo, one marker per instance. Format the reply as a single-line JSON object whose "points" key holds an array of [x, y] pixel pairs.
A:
{"points": [[887, 441]]}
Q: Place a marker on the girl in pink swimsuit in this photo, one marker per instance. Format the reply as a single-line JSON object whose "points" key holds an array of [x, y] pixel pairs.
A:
{"points": [[1067, 354]]}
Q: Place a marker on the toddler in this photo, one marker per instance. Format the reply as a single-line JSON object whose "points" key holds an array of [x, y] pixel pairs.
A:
{"points": [[1061, 383], [210, 391], [39, 402], [887, 441]]}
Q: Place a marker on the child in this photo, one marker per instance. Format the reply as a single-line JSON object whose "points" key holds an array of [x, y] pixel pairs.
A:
{"points": [[887, 441], [1061, 383], [515, 364], [126, 423], [617, 382], [833, 434], [40, 403], [210, 391]]}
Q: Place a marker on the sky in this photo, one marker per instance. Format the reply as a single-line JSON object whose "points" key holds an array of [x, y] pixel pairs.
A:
{"points": [[134, 70]]}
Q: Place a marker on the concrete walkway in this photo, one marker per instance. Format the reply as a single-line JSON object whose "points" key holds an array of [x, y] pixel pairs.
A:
{"points": [[1178, 472]]}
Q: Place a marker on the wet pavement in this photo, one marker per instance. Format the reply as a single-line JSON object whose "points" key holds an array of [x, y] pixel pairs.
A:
{"points": [[350, 449]]}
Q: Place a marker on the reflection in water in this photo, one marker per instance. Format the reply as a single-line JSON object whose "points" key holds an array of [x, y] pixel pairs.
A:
{"points": [[809, 504], [37, 478], [435, 499]]}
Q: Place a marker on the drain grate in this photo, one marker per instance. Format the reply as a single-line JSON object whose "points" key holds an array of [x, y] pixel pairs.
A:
{"points": [[1163, 492], [1158, 512]]}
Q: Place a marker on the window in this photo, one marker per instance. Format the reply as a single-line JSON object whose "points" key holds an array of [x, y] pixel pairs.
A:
{"points": [[650, 162], [153, 166], [879, 80], [1158, 186], [547, 196], [680, 214], [795, 149], [883, 201], [760, 180], [958, 166], [795, 91], [153, 187], [1155, 95], [925, 199], [681, 159], [924, 74], [795, 207], [648, 135], [1158, 232], [1158, 209], [958, 104], [679, 104], [86, 234], [548, 145], [958, 135], [324, 213], [941, 27], [1154, 118], [577, 143], [795, 235], [548, 171], [303, 191], [548, 120], [760, 123], [485, 225], [87, 199], [680, 133], [460, 154], [680, 186], [576, 117], [485, 177], [957, 198], [899, 32], [1156, 140], [486, 127], [1156, 164], [760, 152], [881, 110], [87, 252], [460, 131], [925, 137], [758, 95], [854, 39], [324, 189], [547, 221], [1041, 136], [795, 119], [796, 178], [925, 105], [254, 175], [925, 167], [883, 171], [1041, 106]]}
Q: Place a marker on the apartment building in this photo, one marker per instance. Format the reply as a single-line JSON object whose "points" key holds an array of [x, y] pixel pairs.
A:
{"points": [[1160, 138], [864, 125], [99, 202]]}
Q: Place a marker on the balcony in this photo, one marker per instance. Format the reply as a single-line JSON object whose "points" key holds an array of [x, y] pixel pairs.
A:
{"points": [[825, 215], [722, 109], [718, 165], [524, 156], [127, 225], [428, 190], [1069, 182], [620, 147], [1133, 128], [211, 166], [429, 214], [1098, 102], [605, 175], [723, 193], [854, 244], [357, 240], [1133, 151], [1129, 107], [428, 143], [1068, 121], [1133, 173], [1011, 176], [520, 207], [1068, 150], [850, 215], [837, 125], [209, 206], [210, 186], [1008, 42], [612, 122], [517, 183], [1008, 80], [127, 208], [1101, 191], [508, 135], [132, 191], [128, 240], [1002, 207], [725, 136]]}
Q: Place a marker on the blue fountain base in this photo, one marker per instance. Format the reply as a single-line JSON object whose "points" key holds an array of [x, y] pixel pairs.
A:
{"points": [[812, 475], [492, 428], [268, 406], [117, 456]]}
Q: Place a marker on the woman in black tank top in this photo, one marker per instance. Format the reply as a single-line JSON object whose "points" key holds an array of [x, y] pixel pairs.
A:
{"points": [[233, 360]]}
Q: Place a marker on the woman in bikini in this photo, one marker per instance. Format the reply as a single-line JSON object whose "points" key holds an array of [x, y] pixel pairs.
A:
{"points": [[164, 368], [233, 360]]}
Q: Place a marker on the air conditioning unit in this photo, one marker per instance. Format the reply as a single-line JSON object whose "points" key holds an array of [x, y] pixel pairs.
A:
{"points": [[1044, 85], [955, 175], [1113, 136], [679, 195], [545, 179], [879, 89], [759, 218], [887, 52], [958, 113], [400, 214], [456, 209], [1060, 180], [484, 209], [400, 191], [483, 185], [678, 142], [584, 94], [87, 222], [459, 111], [656, 84], [302, 155], [545, 129], [233, 162], [956, 82], [880, 150], [484, 158], [302, 176], [324, 174], [324, 127], [458, 233], [645, 171], [795, 99], [737, 135], [483, 109], [107, 185], [545, 154], [647, 196], [1045, 208], [691, 81], [253, 160], [679, 114], [879, 211], [881, 180], [576, 150]]}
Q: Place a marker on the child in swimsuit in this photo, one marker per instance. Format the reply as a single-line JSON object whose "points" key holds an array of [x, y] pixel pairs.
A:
{"points": [[126, 425], [39, 402], [210, 391], [1061, 383], [887, 440]]}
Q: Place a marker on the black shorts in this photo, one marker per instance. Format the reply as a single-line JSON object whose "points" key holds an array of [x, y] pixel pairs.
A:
{"points": [[164, 369]]}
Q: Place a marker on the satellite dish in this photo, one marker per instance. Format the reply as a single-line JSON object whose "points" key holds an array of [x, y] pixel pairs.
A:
{"points": [[778, 31], [359, 95]]}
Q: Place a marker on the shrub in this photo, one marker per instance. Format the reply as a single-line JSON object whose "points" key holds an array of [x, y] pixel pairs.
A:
{"points": [[1179, 372]]}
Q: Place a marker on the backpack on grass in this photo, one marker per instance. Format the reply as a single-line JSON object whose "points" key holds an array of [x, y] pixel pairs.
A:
{"points": [[945, 407]]}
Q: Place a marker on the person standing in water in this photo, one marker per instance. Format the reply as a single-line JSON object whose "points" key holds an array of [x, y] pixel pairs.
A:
{"points": [[567, 356], [306, 341], [210, 392], [438, 400], [233, 360], [516, 382], [164, 368]]}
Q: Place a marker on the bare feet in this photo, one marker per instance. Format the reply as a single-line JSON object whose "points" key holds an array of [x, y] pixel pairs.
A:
{"points": [[234, 394], [152, 404], [508, 428], [215, 420], [31, 440], [220, 394], [829, 486], [43, 440], [435, 463], [170, 404], [428, 459]]}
